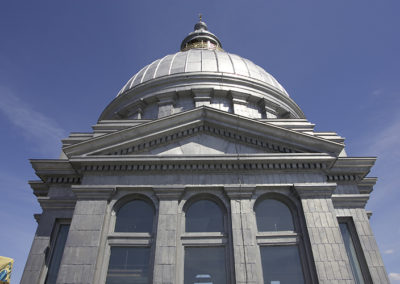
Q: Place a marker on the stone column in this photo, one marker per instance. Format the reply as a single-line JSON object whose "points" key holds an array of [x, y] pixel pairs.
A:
{"points": [[78, 264], [239, 103], [269, 108], [329, 253], [166, 239], [245, 248], [136, 110]]}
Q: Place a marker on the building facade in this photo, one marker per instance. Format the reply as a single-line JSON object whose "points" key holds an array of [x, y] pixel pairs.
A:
{"points": [[203, 170]]}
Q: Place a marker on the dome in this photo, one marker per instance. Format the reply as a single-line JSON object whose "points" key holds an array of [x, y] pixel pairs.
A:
{"points": [[202, 74], [220, 63]]}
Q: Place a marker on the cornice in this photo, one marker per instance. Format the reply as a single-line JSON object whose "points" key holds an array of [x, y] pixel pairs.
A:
{"points": [[354, 164], [366, 185], [39, 187], [350, 169], [70, 171], [55, 171]]}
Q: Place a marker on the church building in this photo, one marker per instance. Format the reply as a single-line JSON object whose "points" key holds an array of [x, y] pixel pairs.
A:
{"points": [[203, 170]]}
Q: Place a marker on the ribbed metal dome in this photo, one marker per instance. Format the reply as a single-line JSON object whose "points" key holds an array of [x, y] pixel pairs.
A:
{"points": [[202, 74], [202, 60]]}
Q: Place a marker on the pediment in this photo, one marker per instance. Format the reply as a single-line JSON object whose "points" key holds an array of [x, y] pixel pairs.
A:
{"points": [[203, 131], [205, 144]]}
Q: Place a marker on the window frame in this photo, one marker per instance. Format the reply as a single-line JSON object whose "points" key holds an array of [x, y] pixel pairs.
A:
{"points": [[297, 237], [130, 239], [349, 222], [206, 239]]}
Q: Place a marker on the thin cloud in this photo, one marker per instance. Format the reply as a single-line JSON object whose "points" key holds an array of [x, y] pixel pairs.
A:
{"points": [[389, 251], [384, 144], [386, 141], [394, 277], [377, 92], [44, 132]]}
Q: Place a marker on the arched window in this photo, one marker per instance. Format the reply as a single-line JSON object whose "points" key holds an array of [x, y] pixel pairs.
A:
{"points": [[205, 243], [135, 216], [204, 216], [130, 243], [279, 243], [273, 215]]}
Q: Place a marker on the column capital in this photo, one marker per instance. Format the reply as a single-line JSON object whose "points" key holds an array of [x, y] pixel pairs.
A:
{"points": [[168, 192], [93, 192], [48, 203], [239, 192], [312, 190]]}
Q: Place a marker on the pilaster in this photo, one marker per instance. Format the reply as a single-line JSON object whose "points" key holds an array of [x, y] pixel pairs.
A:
{"points": [[245, 248], [329, 253], [78, 264], [202, 97], [166, 239], [39, 256], [269, 108], [239, 103], [367, 240], [166, 104]]}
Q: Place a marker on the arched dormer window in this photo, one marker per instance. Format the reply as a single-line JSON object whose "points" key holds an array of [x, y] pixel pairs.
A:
{"points": [[205, 242], [130, 242], [279, 242]]}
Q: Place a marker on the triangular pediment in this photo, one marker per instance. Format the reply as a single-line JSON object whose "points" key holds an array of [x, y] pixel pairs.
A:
{"points": [[205, 144], [203, 131]]}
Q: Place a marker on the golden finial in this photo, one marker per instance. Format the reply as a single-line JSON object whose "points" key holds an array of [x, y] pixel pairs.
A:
{"points": [[200, 15]]}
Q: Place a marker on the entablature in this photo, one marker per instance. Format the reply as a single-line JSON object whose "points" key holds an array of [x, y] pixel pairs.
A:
{"points": [[280, 162]]}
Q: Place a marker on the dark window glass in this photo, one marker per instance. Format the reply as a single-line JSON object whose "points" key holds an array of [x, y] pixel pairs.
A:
{"points": [[128, 265], [57, 254], [135, 216], [205, 265], [204, 216], [351, 252], [273, 215], [281, 265]]}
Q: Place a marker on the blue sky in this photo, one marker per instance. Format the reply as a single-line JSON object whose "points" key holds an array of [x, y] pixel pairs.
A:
{"points": [[62, 62]]}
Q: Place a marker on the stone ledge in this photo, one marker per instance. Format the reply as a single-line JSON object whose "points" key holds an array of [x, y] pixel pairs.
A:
{"points": [[315, 190], [93, 192], [350, 200], [60, 204]]}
